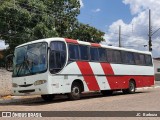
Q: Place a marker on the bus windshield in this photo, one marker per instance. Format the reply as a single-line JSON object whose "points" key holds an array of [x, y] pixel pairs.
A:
{"points": [[30, 59]]}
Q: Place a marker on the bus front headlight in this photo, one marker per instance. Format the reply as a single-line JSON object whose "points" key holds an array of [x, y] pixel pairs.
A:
{"points": [[14, 85], [39, 82]]}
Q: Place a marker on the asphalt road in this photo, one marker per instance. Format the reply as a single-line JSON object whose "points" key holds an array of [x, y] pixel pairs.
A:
{"points": [[145, 99]]}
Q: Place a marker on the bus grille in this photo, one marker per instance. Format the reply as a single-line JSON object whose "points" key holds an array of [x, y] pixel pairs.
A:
{"points": [[25, 85], [26, 91]]}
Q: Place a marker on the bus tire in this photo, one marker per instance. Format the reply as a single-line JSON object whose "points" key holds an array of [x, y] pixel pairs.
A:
{"points": [[107, 92], [131, 89], [75, 91], [47, 97]]}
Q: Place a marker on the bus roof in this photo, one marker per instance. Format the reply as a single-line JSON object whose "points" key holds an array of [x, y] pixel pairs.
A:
{"points": [[48, 40]]}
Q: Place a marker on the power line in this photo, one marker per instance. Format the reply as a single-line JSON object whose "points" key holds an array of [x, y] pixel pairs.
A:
{"points": [[130, 37]]}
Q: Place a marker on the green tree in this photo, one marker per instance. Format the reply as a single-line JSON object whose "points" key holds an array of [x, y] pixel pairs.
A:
{"points": [[65, 14], [26, 20], [87, 33]]}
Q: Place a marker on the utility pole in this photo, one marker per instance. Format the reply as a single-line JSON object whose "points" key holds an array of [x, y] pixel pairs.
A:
{"points": [[150, 33], [120, 36]]}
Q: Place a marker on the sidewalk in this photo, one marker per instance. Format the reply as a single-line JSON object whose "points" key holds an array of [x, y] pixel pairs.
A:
{"points": [[157, 83]]}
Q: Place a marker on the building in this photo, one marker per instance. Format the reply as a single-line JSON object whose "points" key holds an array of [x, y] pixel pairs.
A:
{"points": [[156, 62]]}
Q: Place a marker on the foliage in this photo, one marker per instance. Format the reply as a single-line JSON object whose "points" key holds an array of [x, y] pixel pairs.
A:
{"points": [[26, 20], [87, 33]]}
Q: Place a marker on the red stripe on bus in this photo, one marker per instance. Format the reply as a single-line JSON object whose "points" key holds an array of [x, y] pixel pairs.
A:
{"points": [[95, 45], [143, 81], [88, 75], [108, 71], [122, 81], [71, 41]]}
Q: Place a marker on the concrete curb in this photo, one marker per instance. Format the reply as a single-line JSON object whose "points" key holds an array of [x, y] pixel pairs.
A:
{"points": [[147, 87]]}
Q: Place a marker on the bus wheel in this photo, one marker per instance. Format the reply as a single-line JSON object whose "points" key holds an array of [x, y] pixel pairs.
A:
{"points": [[48, 97], [75, 91], [106, 92], [131, 89]]}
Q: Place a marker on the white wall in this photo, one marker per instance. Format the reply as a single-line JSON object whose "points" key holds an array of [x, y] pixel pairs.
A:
{"points": [[156, 66]]}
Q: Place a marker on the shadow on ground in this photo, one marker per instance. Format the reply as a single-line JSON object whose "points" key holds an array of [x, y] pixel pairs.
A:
{"points": [[36, 101]]}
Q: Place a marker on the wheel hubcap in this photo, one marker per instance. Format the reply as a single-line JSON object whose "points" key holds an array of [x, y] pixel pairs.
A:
{"points": [[132, 87], [75, 91]]}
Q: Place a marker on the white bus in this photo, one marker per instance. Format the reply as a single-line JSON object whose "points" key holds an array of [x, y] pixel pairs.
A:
{"points": [[65, 66]]}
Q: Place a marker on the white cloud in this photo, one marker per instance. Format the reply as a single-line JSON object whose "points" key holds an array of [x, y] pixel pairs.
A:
{"points": [[135, 33], [96, 10], [81, 3], [138, 6]]}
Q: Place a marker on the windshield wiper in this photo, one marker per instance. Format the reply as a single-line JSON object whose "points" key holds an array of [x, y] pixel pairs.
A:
{"points": [[24, 64], [31, 60]]}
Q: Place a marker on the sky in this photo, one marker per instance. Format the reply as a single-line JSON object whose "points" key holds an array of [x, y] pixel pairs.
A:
{"points": [[132, 15]]}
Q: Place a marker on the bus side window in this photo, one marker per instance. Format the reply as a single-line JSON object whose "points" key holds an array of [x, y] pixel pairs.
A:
{"points": [[137, 58], [84, 52], [102, 55], [73, 52], [117, 57], [94, 54], [124, 57], [130, 58], [110, 55]]}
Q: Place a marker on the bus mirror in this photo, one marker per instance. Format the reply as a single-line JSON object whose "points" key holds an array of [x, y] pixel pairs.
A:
{"points": [[9, 62]]}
